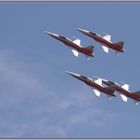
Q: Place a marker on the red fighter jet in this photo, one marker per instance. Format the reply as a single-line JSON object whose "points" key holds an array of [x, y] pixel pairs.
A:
{"points": [[74, 45], [96, 85], [123, 90], [105, 41]]}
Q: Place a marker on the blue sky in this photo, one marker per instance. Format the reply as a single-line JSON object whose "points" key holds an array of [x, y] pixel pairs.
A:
{"points": [[37, 97]]}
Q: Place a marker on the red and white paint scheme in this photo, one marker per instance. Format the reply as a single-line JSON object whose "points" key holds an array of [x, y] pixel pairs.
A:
{"points": [[74, 45], [96, 85], [105, 41], [122, 90]]}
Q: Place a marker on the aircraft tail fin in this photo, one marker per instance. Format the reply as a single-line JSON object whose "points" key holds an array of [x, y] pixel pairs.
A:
{"points": [[90, 48], [119, 44], [111, 88], [137, 93]]}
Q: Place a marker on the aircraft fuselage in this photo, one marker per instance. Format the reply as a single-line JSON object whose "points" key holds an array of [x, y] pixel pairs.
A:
{"points": [[71, 44], [92, 84]]}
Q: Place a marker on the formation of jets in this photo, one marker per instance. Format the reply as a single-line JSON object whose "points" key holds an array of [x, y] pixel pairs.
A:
{"points": [[75, 45], [98, 85], [111, 89]]}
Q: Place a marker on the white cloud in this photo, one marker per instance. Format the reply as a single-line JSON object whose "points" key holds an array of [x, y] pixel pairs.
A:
{"points": [[30, 109]]}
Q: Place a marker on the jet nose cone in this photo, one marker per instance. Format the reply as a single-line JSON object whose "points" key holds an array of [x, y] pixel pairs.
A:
{"points": [[73, 74], [77, 76], [82, 30], [86, 32], [51, 34]]}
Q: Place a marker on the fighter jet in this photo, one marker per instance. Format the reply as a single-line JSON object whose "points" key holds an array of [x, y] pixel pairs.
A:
{"points": [[74, 45], [122, 90], [96, 85], [105, 41]]}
